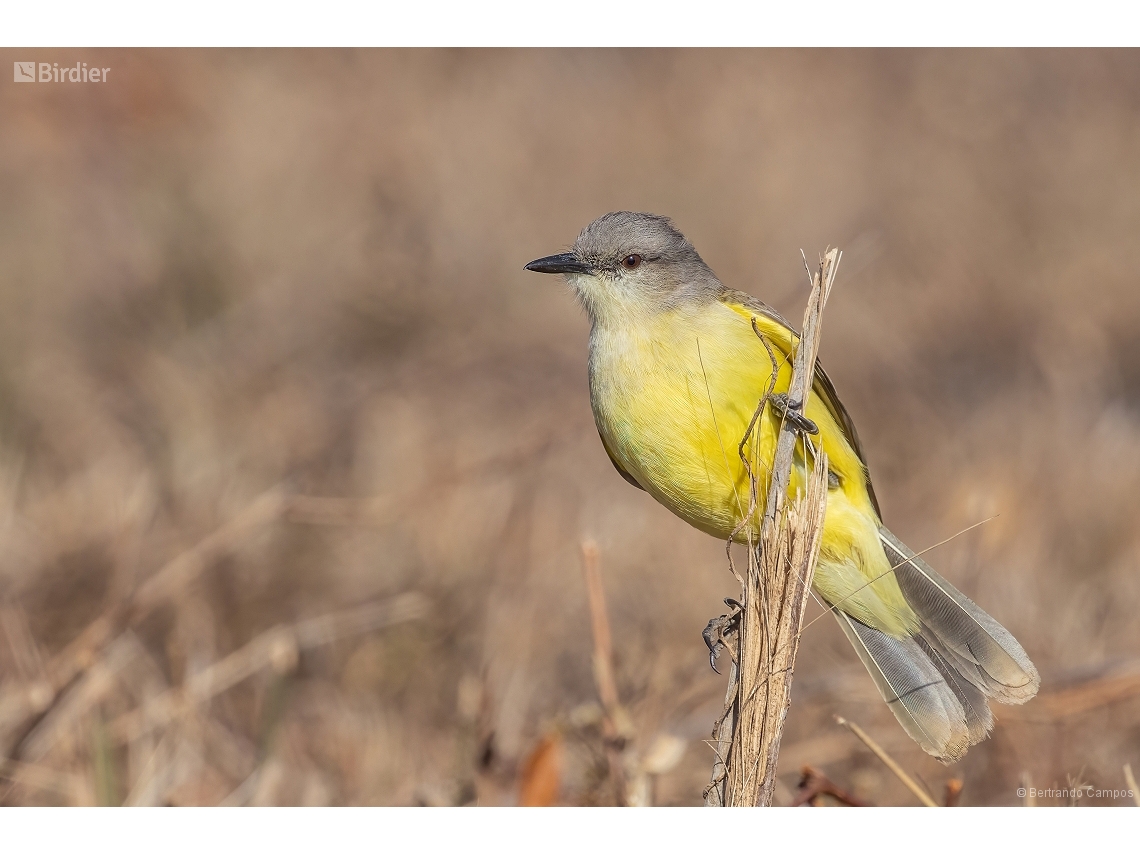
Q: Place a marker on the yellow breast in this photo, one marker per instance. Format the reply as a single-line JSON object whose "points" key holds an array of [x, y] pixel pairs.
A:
{"points": [[673, 395]]}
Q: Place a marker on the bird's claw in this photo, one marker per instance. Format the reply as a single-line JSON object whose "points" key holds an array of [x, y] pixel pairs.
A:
{"points": [[712, 635], [720, 628], [792, 413]]}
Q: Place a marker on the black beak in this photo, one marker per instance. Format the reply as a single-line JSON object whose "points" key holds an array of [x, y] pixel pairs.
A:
{"points": [[567, 262]]}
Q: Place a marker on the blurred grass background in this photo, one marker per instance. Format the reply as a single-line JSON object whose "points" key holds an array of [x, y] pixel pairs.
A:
{"points": [[227, 275]]}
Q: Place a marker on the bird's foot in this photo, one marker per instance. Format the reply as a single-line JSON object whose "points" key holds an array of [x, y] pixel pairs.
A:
{"points": [[792, 412], [720, 629]]}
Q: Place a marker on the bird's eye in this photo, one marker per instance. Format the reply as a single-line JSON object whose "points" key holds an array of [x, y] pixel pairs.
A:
{"points": [[631, 262]]}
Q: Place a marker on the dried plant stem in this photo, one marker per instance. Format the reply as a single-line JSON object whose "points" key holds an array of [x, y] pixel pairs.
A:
{"points": [[277, 648], [614, 720], [715, 794], [32, 775], [1029, 799], [23, 714], [1130, 779], [1097, 692], [889, 762], [778, 583]]}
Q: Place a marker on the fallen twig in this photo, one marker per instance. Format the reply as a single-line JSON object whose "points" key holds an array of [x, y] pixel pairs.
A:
{"points": [[814, 783], [889, 762]]}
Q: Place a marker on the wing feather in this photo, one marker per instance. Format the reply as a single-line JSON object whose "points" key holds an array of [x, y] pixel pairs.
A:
{"points": [[915, 690], [980, 649], [821, 386]]}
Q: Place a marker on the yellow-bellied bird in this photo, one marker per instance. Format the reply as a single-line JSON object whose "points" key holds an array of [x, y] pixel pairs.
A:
{"points": [[676, 372]]}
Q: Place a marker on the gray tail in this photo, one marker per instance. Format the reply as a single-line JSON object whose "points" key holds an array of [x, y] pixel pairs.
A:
{"points": [[938, 682]]}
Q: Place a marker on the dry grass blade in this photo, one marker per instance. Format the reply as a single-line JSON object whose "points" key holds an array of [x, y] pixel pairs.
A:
{"points": [[1094, 693], [87, 649], [338, 510], [888, 572], [277, 648], [96, 658], [889, 762], [1029, 797], [20, 703], [153, 780], [25, 651], [722, 732], [81, 698], [176, 574], [328, 628], [615, 724], [600, 624], [1130, 780], [244, 791], [65, 784]]}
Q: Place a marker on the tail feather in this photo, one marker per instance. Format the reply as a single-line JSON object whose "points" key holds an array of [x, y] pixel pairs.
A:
{"points": [[914, 689], [976, 711], [980, 648], [937, 681]]}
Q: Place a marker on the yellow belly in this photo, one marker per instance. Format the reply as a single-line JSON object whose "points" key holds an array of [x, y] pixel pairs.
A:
{"points": [[673, 396]]}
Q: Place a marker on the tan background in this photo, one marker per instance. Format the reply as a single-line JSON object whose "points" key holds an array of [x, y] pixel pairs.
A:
{"points": [[227, 272]]}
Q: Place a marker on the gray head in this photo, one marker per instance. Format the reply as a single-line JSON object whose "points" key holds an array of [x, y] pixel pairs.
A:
{"points": [[627, 263]]}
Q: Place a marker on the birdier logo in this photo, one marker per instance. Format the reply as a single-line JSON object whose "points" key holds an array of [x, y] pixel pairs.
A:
{"points": [[51, 72]]}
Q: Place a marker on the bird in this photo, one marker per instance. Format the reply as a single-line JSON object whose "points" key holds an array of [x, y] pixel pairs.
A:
{"points": [[678, 364]]}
